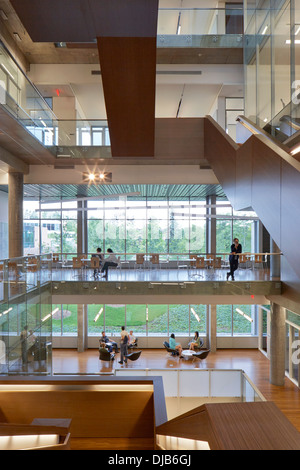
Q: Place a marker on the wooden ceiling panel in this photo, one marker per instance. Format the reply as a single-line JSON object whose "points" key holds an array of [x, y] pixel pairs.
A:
{"points": [[128, 68]]}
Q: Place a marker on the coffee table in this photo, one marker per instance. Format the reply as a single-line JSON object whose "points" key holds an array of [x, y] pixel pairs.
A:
{"points": [[187, 353]]}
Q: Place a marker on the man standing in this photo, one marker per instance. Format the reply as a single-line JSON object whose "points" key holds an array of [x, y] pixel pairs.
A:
{"points": [[124, 345], [236, 248]]}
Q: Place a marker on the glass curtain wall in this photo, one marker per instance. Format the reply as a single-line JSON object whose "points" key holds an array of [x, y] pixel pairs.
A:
{"points": [[270, 49], [154, 320], [135, 226]]}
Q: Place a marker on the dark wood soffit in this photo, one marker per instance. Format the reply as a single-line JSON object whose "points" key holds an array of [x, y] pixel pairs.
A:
{"points": [[84, 20], [128, 68]]}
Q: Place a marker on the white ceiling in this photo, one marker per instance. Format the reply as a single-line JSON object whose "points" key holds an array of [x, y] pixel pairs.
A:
{"points": [[198, 86]]}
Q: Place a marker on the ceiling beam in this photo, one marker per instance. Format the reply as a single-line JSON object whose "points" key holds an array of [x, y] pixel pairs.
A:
{"points": [[14, 164]]}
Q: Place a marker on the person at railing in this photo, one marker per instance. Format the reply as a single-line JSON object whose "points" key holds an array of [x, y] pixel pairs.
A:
{"points": [[111, 260], [236, 248]]}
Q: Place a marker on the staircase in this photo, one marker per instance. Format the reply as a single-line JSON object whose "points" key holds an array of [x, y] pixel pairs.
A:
{"points": [[261, 174]]}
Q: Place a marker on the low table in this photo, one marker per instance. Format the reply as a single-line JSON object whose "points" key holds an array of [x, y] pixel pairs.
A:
{"points": [[187, 353]]}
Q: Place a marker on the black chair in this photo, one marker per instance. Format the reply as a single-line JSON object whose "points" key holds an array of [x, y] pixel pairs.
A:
{"points": [[134, 355], [106, 356], [196, 348], [174, 352], [201, 354]]}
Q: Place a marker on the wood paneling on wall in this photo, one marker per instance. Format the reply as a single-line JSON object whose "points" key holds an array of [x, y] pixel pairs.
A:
{"points": [[128, 68], [93, 413], [262, 175]]}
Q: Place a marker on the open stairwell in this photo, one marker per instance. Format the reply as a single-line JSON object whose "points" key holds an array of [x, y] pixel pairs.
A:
{"points": [[262, 174]]}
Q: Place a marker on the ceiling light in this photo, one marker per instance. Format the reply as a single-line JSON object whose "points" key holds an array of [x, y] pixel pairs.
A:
{"points": [[97, 177], [295, 150], [288, 41], [297, 31], [265, 30]]}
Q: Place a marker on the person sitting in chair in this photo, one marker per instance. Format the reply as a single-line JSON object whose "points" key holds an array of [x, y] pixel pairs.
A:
{"points": [[112, 345], [100, 256], [174, 345], [131, 340], [104, 350], [111, 260], [196, 343]]}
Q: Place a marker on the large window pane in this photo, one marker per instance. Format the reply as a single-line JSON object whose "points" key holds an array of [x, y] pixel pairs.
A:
{"points": [[95, 235], [242, 229], [243, 319], [115, 235], [198, 236], [157, 236], [157, 320], [31, 237], [224, 235], [69, 319], [179, 319], [95, 319], [224, 320], [50, 236], [69, 236], [51, 210], [114, 319], [135, 236], [136, 319], [198, 319]]}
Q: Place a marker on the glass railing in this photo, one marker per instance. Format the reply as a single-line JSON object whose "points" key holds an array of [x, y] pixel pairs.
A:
{"points": [[219, 384], [286, 123], [21, 276], [200, 27], [25, 316], [75, 138], [20, 98]]}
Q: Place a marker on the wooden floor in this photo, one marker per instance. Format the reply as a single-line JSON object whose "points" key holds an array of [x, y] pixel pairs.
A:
{"points": [[251, 361]]}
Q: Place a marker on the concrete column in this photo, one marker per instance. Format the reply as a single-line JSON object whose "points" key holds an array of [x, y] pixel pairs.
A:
{"points": [[212, 328], [79, 228], [277, 344], [82, 327], [211, 223], [82, 228], [15, 214]]}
